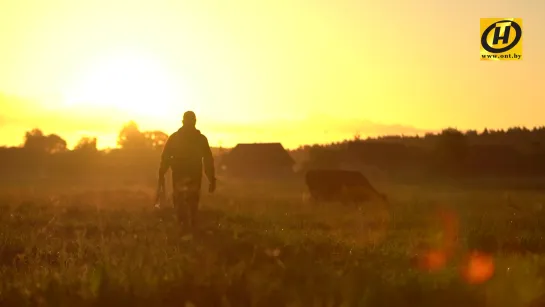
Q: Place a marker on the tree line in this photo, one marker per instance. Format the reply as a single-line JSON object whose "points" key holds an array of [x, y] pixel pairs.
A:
{"points": [[514, 152], [46, 159]]}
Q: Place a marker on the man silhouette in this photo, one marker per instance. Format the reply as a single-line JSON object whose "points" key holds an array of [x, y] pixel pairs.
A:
{"points": [[184, 153]]}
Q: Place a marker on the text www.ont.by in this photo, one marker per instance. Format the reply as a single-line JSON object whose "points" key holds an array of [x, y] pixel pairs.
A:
{"points": [[501, 56]]}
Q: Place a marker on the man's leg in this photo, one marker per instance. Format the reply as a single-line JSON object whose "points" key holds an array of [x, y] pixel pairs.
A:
{"points": [[192, 190], [180, 198], [193, 204]]}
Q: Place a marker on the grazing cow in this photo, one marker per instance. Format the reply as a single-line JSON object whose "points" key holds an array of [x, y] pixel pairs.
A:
{"points": [[340, 185]]}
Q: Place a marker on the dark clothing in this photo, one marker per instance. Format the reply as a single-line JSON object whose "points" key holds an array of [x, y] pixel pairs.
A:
{"points": [[186, 200], [185, 152]]}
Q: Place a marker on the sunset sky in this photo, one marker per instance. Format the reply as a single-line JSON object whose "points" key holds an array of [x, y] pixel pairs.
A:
{"points": [[293, 71]]}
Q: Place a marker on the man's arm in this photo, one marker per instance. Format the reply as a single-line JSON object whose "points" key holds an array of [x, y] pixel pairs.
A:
{"points": [[166, 157], [208, 161]]}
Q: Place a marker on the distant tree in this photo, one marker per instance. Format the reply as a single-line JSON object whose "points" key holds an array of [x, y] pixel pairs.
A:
{"points": [[452, 148], [156, 139], [36, 141], [471, 133], [131, 138], [536, 146], [55, 144], [429, 135], [86, 144], [324, 157], [357, 136]]}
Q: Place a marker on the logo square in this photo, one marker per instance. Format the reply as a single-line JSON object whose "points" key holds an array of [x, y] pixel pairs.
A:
{"points": [[501, 39]]}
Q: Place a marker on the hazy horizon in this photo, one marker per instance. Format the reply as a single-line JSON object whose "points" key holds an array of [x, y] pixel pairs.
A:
{"points": [[295, 72]]}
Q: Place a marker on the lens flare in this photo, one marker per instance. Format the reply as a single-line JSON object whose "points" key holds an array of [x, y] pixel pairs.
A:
{"points": [[479, 268]]}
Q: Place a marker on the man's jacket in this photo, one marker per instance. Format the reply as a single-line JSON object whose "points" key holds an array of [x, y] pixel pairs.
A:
{"points": [[185, 152]]}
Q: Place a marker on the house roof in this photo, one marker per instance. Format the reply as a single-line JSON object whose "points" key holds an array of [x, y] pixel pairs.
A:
{"points": [[258, 153]]}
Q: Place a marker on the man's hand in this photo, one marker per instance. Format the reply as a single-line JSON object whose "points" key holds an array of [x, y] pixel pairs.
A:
{"points": [[212, 186]]}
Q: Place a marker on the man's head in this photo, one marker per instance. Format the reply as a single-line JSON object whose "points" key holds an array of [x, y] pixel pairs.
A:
{"points": [[189, 120]]}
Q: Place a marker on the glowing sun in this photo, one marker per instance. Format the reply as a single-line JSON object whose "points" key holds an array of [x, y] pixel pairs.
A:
{"points": [[129, 83]]}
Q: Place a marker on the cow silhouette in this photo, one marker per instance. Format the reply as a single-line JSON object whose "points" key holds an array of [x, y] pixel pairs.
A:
{"points": [[341, 185]]}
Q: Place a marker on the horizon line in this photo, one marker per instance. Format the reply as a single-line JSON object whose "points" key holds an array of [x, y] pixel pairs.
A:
{"points": [[355, 137]]}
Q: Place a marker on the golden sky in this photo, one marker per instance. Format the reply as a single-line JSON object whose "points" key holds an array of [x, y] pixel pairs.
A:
{"points": [[294, 71]]}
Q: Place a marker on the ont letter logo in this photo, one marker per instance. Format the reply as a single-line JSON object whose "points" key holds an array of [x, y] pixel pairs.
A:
{"points": [[501, 39]]}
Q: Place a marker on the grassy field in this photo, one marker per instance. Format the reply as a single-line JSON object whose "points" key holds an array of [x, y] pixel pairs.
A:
{"points": [[266, 245]]}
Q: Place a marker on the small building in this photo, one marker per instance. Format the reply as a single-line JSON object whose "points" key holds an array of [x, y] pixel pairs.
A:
{"points": [[257, 160]]}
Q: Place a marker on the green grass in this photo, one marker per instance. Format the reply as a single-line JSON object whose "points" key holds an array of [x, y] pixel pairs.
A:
{"points": [[267, 246]]}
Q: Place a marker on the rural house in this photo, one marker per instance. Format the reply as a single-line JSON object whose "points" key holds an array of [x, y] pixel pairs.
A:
{"points": [[258, 160]]}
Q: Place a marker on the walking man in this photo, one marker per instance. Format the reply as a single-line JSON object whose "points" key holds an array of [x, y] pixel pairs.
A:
{"points": [[185, 152]]}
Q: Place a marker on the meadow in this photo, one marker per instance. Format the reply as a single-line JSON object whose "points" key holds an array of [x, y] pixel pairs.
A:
{"points": [[264, 244]]}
